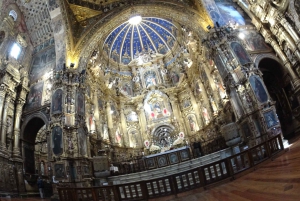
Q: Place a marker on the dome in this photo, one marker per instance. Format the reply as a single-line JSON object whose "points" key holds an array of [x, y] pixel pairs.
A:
{"points": [[140, 39]]}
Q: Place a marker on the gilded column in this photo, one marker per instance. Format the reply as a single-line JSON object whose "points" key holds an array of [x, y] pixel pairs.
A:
{"points": [[16, 147], [177, 113], [206, 103], [213, 87], [196, 109], [142, 119], [109, 123], [123, 126]]}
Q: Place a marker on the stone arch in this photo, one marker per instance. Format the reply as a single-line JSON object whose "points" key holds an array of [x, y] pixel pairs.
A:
{"points": [[38, 115]]}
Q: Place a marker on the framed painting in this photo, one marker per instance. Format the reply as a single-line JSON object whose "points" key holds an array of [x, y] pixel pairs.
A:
{"points": [[57, 101], [59, 171], [184, 155], [240, 53], [57, 140], [173, 158], [162, 161], [258, 88], [150, 163], [80, 104], [271, 119], [85, 170]]}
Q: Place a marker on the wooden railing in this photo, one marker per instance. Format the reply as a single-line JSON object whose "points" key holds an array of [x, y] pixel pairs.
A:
{"points": [[171, 185]]}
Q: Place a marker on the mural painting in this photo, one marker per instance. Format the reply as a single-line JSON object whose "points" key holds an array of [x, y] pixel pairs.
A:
{"points": [[101, 104], [59, 171], [34, 98], [246, 129], [135, 138], [132, 117], [80, 104], [258, 88], [174, 77], [118, 137], [127, 89], [270, 119], [57, 140], [240, 53], [82, 141], [192, 123], [57, 101], [43, 62], [150, 79], [255, 42]]}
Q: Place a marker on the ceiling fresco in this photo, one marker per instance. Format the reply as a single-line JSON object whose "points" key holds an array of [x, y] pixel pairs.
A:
{"points": [[152, 36]]}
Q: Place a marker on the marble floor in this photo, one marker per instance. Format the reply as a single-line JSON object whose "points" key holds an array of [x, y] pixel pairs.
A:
{"points": [[277, 180]]}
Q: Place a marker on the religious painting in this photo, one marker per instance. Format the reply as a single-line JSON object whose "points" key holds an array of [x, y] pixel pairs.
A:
{"points": [[80, 104], [150, 163], [2, 36], [240, 53], [255, 42], [192, 123], [257, 124], [86, 170], [236, 103], [246, 129], [57, 101], [150, 79], [132, 117], [134, 138], [174, 77], [59, 171], [34, 98], [82, 141], [206, 115], [101, 104], [186, 103], [184, 155], [57, 140], [127, 89], [162, 161], [113, 110], [118, 137], [271, 119], [220, 66], [197, 88], [42, 63], [173, 158], [258, 88]]}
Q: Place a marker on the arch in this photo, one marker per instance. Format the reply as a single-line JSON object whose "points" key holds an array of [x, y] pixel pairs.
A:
{"points": [[38, 115], [277, 82]]}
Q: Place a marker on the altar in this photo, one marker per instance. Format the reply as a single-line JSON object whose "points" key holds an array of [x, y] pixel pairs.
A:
{"points": [[167, 158]]}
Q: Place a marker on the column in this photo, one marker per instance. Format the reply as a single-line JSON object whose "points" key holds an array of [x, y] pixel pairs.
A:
{"points": [[206, 103], [196, 109], [213, 87], [124, 126], [109, 123], [3, 125], [142, 120], [177, 113], [18, 112]]}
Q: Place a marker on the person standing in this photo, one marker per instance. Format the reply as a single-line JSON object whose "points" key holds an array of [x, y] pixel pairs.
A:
{"points": [[40, 185]]}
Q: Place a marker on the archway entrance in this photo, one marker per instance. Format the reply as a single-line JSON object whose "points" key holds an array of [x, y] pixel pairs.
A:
{"points": [[34, 147], [279, 88]]}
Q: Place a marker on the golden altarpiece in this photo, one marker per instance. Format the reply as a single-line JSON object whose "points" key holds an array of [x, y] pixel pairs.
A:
{"points": [[103, 88]]}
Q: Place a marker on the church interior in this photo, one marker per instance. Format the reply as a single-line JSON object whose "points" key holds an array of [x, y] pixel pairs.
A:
{"points": [[95, 92]]}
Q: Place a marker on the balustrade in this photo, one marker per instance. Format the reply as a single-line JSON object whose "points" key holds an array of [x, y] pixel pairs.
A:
{"points": [[171, 185]]}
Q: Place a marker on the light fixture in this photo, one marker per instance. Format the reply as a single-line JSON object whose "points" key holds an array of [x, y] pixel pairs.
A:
{"points": [[135, 20], [241, 36]]}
